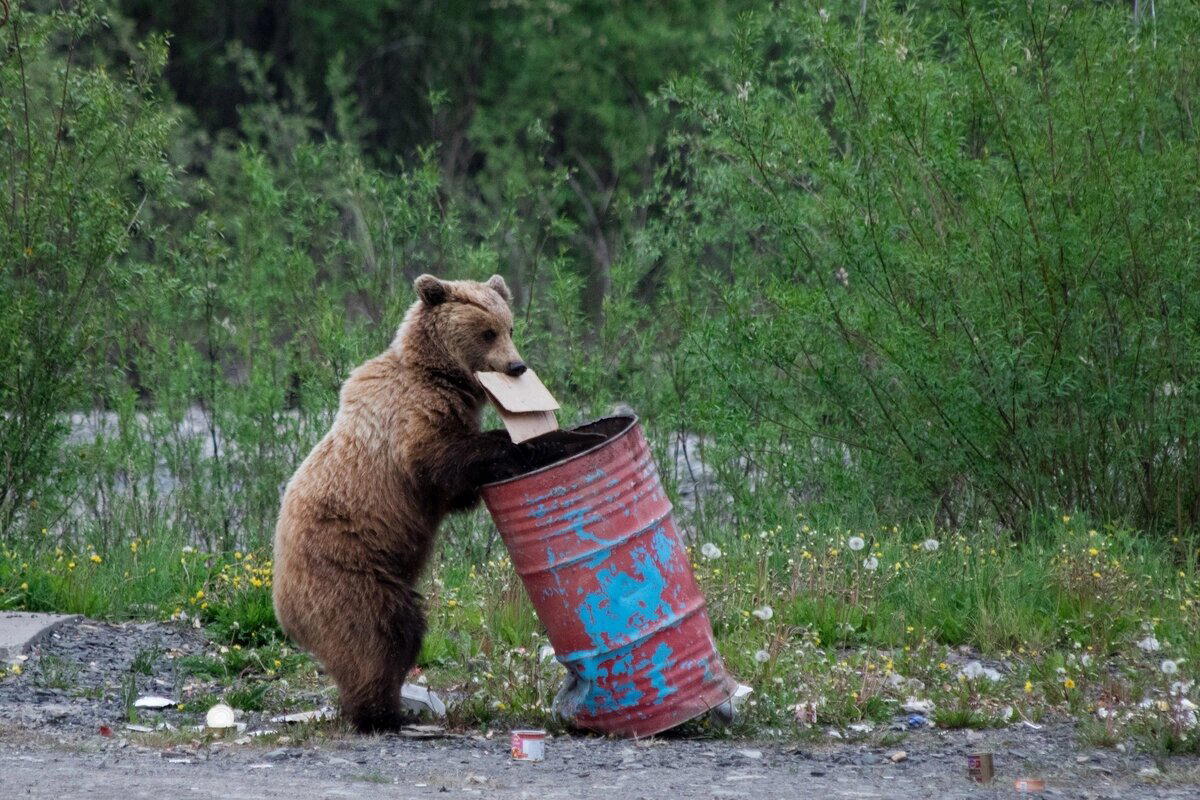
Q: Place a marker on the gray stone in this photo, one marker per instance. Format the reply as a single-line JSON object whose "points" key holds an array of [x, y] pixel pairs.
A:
{"points": [[19, 630]]}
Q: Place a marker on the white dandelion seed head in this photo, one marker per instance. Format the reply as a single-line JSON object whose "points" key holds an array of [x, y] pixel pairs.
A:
{"points": [[1169, 667], [931, 545], [856, 543], [710, 550], [764, 613], [1149, 644], [871, 563], [823, 14], [762, 656]]}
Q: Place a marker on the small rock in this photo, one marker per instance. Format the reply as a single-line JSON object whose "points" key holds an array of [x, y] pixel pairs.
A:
{"points": [[752, 754], [898, 756]]}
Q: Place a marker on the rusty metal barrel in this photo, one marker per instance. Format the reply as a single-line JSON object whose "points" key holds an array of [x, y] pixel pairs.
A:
{"points": [[593, 539]]}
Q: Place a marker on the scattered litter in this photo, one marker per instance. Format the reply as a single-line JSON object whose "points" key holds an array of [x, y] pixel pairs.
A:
{"points": [[1030, 785], [242, 740], [165, 726], [914, 705], [545, 653], [917, 721], [105, 730], [833, 733], [260, 766], [751, 754], [320, 715], [179, 761], [137, 728], [219, 716], [898, 756], [725, 713], [424, 732], [976, 670], [1029, 724], [528, 745], [980, 768], [263, 732], [862, 727], [419, 698], [806, 713], [153, 702]]}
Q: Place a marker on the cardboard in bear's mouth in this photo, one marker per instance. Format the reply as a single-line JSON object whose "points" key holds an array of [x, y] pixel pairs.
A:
{"points": [[611, 428]]}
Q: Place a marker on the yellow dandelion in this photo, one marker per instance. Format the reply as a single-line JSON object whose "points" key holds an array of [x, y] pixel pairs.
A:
{"points": [[1093, 551], [24, 586], [943, 666], [1066, 518], [1028, 687], [70, 565], [95, 559], [1068, 683], [16, 669]]}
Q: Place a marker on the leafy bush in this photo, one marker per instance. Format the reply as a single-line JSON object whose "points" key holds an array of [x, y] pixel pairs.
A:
{"points": [[955, 256], [83, 155]]}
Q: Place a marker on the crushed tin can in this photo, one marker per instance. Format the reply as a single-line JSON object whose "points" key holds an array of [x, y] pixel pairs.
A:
{"points": [[528, 745], [980, 768]]}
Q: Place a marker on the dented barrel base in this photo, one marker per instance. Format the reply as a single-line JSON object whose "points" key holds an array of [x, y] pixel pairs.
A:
{"points": [[594, 542]]}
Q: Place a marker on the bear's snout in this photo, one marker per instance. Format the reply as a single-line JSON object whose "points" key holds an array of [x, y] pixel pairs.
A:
{"points": [[516, 368]]}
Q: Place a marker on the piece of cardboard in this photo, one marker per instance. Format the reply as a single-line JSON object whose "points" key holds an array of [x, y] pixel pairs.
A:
{"points": [[525, 406], [523, 393]]}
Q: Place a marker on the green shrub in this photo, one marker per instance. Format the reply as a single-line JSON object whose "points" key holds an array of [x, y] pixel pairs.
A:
{"points": [[954, 257]]}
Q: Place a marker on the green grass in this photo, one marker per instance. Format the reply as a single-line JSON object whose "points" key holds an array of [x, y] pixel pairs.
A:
{"points": [[1064, 609]]}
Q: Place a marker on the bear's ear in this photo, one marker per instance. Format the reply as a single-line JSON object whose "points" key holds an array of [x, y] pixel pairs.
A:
{"points": [[431, 290], [497, 284]]}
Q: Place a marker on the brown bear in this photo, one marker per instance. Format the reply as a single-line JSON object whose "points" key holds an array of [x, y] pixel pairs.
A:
{"points": [[358, 518]]}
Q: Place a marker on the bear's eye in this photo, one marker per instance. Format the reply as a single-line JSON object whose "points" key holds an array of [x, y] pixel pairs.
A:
{"points": [[489, 336]]}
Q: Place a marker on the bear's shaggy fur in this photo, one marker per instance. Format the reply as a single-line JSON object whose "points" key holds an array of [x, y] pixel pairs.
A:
{"points": [[359, 517]]}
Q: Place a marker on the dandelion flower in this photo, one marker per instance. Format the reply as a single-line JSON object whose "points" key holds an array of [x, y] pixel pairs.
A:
{"points": [[856, 543], [1149, 644], [1169, 667], [871, 563], [710, 550], [1068, 683], [764, 613], [762, 656], [95, 559], [931, 545], [24, 586], [1028, 687]]}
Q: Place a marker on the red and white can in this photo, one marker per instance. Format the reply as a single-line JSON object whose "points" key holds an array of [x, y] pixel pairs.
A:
{"points": [[528, 745]]}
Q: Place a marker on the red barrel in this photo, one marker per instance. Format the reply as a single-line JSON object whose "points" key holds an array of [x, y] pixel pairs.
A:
{"points": [[593, 540]]}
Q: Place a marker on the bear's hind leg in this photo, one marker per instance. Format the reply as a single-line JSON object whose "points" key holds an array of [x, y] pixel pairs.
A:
{"points": [[371, 699]]}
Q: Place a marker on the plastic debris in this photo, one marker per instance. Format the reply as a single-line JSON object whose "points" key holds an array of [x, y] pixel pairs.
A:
{"points": [[319, 715], [420, 699], [424, 732], [976, 670], [862, 727], [219, 716], [915, 721], [914, 705], [139, 728], [726, 712], [153, 702], [105, 730]]}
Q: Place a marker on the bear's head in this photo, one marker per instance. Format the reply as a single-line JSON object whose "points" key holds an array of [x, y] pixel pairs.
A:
{"points": [[467, 323]]}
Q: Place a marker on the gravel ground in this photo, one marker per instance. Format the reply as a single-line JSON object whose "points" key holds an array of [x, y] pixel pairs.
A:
{"points": [[50, 747]]}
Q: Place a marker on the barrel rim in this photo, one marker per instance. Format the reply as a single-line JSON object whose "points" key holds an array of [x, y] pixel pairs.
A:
{"points": [[633, 421]]}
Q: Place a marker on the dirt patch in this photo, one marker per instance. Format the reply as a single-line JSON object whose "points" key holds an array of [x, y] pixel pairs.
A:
{"points": [[49, 740]]}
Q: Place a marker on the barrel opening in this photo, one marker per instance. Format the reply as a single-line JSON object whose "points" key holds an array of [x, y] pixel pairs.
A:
{"points": [[550, 456]]}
